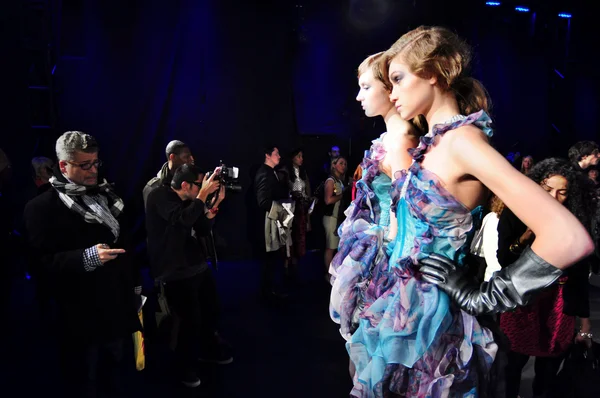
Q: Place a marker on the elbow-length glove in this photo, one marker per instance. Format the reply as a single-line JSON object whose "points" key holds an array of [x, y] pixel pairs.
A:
{"points": [[507, 289]]}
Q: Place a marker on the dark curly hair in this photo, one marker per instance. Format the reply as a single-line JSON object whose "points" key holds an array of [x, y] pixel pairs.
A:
{"points": [[576, 198]]}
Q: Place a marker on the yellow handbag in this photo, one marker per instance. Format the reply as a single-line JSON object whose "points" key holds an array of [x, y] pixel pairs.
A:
{"points": [[138, 346]]}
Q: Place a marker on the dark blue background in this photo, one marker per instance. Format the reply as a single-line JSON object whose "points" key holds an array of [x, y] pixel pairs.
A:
{"points": [[229, 76]]}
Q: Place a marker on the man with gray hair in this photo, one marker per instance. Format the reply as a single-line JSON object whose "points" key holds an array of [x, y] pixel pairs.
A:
{"points": [[178, 154], [75, 232]]}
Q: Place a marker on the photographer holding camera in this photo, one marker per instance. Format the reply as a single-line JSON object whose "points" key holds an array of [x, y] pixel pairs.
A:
{"points": [[176, 215]]}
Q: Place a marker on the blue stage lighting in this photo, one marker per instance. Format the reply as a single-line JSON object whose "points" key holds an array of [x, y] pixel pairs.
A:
{"points": [[522, 9], [492, 3], [564, 15]]}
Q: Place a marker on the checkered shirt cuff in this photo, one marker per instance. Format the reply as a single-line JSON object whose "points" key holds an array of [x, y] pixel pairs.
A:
{"points": [[91, 259]]}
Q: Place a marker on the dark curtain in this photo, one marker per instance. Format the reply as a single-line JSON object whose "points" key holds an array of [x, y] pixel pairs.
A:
{"points": [[230, 76], [214, 74]]}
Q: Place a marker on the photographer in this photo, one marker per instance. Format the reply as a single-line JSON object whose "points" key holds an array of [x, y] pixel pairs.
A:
{"points": [[176, 215]]}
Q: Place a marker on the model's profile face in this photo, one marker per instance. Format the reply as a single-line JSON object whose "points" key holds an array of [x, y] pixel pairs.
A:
{"points": [[372, 95], [411, 95]]}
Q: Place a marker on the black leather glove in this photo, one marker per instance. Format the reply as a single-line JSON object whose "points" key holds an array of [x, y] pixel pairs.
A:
{"points": [[508, 288]]}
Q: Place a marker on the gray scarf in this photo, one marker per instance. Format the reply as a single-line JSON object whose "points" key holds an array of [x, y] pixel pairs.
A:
{"points": [[95, 199]]}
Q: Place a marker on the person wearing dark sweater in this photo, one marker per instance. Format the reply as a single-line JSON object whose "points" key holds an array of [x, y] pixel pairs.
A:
{"points": [[176, 215], [76, 234]]}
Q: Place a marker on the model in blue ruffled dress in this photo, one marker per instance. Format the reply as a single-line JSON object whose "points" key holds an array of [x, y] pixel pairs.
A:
{"points": [[405, 307], [368, 227]]}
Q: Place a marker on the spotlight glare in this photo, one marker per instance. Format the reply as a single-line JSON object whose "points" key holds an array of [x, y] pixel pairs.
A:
{"points": [[522, 9], [492, 3], [564, 15]]}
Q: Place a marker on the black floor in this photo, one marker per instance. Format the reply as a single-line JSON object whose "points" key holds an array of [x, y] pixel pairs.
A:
{"points": [[293, 350]]}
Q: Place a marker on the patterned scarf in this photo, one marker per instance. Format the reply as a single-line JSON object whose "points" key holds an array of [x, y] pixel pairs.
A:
{"points": [[95, 201]]}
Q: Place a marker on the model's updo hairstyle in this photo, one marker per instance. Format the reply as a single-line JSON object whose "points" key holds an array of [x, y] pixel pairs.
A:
{"points": [[374, 63], [432, 51]]}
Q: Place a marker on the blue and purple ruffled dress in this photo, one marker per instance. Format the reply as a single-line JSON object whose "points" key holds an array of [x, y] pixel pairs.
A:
{"points": [[404, 336], [363, 241]]}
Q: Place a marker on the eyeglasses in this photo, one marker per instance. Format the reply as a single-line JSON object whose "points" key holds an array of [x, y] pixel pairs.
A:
{"points": [[196, 183], [86, 166]]}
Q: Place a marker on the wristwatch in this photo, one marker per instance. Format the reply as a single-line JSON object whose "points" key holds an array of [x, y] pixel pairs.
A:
{"points": [[516, 248]]}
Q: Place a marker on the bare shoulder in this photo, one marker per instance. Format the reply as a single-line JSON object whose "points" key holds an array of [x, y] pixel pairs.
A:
{"points": [[466, 132], [465, 138], [400, 139]]}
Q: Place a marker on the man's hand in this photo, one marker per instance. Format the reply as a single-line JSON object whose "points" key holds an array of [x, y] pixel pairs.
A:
{"points": [[106, 254], [586, 327], [209, 185], [221, 196]]}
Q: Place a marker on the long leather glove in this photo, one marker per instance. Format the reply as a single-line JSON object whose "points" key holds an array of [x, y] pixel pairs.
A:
{"points": [[508, 288]]}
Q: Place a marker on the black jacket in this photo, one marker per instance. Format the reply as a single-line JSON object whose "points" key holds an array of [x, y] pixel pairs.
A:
{"points": [[174, 253], [576, 290], [267, 187], [93, 305]]}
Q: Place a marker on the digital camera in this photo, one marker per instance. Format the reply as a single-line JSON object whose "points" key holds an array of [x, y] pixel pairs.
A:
{"points": [[229, 177]]}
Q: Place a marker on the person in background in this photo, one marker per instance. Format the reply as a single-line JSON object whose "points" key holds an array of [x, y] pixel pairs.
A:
{"points": [[485, 242], [334, 152], [526, 164], [176, 215], [333, 194], [584, 154], [178, 154], [269, 191], [299, 186], [593, 175], [74, 229], [544, 328], [42, 171], [355, 178]]}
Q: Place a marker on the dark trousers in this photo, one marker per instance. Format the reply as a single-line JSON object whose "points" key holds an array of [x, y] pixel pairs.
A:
{"points": [[545, 368], [195, 302], [270, 263], [87, 368]]}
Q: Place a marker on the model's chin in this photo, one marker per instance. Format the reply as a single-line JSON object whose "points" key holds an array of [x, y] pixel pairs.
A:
{"points": [[405, 114], [371, 114]]}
